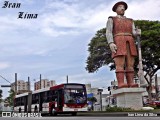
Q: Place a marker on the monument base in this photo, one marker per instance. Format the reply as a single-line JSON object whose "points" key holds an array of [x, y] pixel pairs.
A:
{"points": [[129, 97]]}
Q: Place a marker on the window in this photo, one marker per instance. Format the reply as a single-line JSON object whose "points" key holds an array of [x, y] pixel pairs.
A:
{"points": [[35, 98], [75, 96], [47, 96], [53, 95], [22, 101], [18, 102]]}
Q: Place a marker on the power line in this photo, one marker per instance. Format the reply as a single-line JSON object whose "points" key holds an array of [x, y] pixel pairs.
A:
{"points": [[4, 79]]}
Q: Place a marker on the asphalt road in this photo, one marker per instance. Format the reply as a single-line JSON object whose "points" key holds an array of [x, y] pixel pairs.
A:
{"points": [[84, 118], [94, 116]]}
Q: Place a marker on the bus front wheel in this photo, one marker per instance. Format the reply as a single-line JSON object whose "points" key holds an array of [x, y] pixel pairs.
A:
{"points": [[53, 112], [74, 114], [19, 110]]}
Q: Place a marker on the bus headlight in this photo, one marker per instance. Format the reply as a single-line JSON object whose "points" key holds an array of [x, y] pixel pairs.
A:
{"points": [[85, 105], [65, 105]]}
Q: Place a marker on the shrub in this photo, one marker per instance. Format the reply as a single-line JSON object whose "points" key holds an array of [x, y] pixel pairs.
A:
{"points": [[118, 109]]}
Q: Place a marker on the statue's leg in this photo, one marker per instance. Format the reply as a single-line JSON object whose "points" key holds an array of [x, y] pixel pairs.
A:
{"points": [[130, 68], [119, 61]]}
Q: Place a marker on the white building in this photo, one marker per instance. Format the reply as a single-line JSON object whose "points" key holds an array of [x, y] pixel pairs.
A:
{"points": [[5, 107], [44, 84], [97, 105], [105, 102], [88, 88], [94, 91], [22, 86], [91, 90]]}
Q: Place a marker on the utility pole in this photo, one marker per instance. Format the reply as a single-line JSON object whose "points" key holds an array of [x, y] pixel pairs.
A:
{"points": [[156, 87], [67, 79], [5, 85], [15, 90], [28, 84], [15, 83], [40, 80], [100, 94], [140, 72]]}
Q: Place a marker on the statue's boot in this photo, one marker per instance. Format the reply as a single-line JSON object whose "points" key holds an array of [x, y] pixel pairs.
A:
{"points": [[130, 79], [120, 79]]}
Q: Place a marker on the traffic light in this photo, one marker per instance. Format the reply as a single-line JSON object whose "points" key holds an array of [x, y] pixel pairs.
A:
{"points": [[109, 88]]}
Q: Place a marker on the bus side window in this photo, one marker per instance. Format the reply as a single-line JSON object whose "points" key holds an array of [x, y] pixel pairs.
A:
{"points": [[52, 95], [15, 102], [22, 101], [48, 96], [37, 98], [34, 98], [43, 97], [56, 93], [18, 101]]}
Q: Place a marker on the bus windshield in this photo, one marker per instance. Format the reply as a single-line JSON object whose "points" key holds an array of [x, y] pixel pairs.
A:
{"points": [[74, 95]]}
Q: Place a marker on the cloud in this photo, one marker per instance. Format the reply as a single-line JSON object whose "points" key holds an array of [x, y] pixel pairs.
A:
{"points": [[102, 78], [77, 18], [144, 10], [72, 18], [4, 65], [58, 18]]}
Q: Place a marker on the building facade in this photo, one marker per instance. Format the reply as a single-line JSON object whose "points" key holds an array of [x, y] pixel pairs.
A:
{"points": [[22, 86], [44, 84]]}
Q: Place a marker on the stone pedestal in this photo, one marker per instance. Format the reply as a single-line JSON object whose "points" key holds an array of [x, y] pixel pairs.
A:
{"points": [[129, 97]]}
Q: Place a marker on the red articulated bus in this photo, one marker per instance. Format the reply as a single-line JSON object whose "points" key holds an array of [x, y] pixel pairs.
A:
{"points": [[63, 98]]}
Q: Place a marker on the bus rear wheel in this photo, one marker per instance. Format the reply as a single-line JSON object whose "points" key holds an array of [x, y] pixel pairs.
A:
{"points": [[19, 110], [53, 112]]}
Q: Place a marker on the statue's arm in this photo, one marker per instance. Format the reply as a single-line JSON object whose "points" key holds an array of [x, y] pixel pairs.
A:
{"points": [[109, 28], [109, 35]]}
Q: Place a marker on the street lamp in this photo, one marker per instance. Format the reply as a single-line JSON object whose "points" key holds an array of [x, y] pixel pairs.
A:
{"points": [[100, 93], [156, 87], [140, 72]]}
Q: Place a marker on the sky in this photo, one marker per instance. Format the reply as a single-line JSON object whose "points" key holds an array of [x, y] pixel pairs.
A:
{"points": [[56, 43]]}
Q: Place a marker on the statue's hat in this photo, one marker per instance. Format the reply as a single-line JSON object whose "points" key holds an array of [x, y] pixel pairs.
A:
{"points": [[119, 3]]}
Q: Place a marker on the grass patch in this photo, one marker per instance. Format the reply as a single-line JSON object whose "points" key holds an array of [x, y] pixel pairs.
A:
{"points": [[118, 109]]}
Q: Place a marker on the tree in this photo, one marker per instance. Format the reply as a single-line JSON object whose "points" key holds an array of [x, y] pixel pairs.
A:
{"points": [[92, 100], [10, 98], [150, 50], [100, 54]]}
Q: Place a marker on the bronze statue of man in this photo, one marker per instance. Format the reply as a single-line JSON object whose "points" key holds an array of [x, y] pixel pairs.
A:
{"points": [[120, 33]]}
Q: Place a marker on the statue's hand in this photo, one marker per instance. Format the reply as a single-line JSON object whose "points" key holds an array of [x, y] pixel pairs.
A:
{"points": [[113, 47], [138, 32]]}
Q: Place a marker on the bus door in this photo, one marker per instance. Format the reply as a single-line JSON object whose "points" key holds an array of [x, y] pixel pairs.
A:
{"points": [[60, 99], [25, 103], [40, 101]]}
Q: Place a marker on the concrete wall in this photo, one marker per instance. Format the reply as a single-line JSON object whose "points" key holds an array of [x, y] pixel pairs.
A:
{"points": [[4, 108]]}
